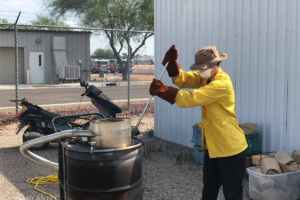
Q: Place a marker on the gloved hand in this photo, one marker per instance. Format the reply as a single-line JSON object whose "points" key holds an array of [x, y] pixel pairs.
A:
{"points": [[173, 67], [167, 93], [171, 55]]}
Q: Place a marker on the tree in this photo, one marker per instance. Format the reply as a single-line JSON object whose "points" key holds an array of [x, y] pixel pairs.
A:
{"points": [[103, 54], [4, 21], [124, 56], [40, 20], [45, 20], [128, 15]]}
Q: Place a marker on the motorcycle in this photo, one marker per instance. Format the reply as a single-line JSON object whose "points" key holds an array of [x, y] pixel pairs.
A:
{"points": [[40, 120]]}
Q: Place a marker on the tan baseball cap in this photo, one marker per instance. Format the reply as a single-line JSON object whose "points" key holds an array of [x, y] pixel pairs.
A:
{"points": [[207, 57]]}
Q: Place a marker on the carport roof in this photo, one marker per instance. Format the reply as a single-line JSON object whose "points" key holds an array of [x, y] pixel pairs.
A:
{"points": [[47, 31]]}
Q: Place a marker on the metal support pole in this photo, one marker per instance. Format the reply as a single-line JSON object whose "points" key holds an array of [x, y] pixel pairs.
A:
{"points": [[16, 62], [129, 66], [61, 171]]}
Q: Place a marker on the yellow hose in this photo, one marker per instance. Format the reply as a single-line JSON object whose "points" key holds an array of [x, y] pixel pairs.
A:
{"points": [[52, 179]]}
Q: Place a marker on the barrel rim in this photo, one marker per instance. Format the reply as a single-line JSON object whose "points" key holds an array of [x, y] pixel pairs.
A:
{"points": [[140, 142]]}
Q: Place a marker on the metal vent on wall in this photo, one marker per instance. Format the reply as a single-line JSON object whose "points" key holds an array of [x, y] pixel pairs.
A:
{"points": [[72, 72], [64, 69]]}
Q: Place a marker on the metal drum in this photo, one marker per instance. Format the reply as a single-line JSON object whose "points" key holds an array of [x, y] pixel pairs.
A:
{"points": [[111, 133], [104, 163], [114, 174]]}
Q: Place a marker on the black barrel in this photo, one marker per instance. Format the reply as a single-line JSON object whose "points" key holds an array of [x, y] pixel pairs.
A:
{"points": [[105, 175]]}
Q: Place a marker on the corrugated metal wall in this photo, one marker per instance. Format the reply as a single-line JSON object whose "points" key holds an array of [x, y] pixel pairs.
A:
{"points": [[261, 39]]}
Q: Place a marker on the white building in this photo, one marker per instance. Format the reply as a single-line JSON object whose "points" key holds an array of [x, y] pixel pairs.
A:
{"points": [[261, 39]]}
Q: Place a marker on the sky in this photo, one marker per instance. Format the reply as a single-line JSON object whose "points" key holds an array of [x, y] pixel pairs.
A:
{"points": [[9, 10]]}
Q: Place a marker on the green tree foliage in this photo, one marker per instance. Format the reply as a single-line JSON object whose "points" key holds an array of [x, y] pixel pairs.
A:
{"points": [[40, 20], [45, 20], [103, 54], [4, 21], [124, 56], [112, 14]]}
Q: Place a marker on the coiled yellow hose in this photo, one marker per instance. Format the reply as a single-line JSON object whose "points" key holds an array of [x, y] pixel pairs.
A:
{"points": [[52, 179]]}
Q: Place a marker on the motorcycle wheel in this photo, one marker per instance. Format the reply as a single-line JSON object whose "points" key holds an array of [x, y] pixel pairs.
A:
{"points": [[34, 132]]}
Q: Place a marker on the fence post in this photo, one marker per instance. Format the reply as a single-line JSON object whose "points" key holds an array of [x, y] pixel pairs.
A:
{"points": [[129, 66], [16, 62]]}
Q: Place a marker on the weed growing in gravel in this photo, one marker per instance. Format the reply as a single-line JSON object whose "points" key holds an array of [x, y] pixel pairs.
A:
{"points": [[167, 150], [150, 133], [180, 158], [148, 149], [159, 149], [191, 157]]}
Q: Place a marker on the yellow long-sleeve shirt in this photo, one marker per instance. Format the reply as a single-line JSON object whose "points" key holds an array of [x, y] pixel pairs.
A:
{"points": [[221, 133]]}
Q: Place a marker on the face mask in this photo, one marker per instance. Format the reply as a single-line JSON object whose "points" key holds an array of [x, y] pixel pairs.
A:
{"points": [[206, 74]]}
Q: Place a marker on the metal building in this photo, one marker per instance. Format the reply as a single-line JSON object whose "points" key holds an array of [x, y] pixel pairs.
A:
{"points": [[45, 56], [261, 39]]}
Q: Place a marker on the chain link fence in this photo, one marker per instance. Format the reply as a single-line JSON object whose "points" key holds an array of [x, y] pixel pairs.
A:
{"points": [[52, 61]]}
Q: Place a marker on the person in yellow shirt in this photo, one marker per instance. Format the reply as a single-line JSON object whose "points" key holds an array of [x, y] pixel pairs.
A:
{"points": [[223, 141]]}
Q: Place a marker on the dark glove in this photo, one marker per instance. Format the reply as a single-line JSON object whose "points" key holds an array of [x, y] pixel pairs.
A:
{"points": [[171, 55], [173, 67], [166, 93]]}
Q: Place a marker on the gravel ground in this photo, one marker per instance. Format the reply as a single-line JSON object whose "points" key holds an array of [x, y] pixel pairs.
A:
{"points": [[168, 170]]}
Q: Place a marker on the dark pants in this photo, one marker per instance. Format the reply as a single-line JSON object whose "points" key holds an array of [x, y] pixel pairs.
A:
{"points": [[228, 172]]}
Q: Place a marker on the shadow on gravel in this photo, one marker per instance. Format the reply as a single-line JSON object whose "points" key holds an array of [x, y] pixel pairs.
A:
{"points": [[15, 169]]}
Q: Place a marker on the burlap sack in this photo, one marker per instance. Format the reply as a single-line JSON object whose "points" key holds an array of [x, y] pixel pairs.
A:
{"points": [[265, 184], [256, 159], [255, 194], [257, 170], [281, 180], [296, 156], [249, 128], [287, 164], [270, 166], [198, 125]]}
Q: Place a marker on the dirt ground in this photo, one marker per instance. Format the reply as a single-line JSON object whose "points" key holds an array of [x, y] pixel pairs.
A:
{"points": [[139, 74], [167, 175], [144, 66]]}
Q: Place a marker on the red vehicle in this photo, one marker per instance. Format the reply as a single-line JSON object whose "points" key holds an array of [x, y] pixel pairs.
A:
{"points": [[113, 66], [99, 66]]}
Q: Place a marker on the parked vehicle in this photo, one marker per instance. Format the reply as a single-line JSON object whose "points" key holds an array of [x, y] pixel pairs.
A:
{"points": [[124, 62], [151, 61], [100, 66], [143, 62], [113, 66], [39, 121]]}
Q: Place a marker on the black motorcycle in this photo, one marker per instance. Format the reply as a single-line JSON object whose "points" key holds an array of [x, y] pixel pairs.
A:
{"points": [[39, 120]]}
